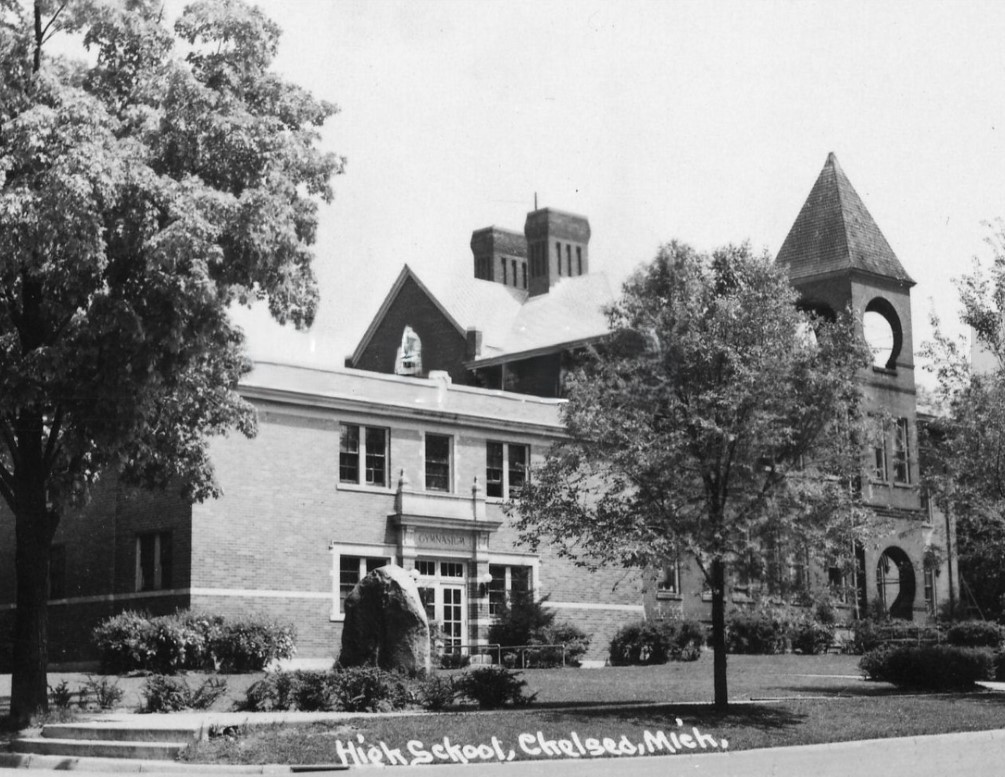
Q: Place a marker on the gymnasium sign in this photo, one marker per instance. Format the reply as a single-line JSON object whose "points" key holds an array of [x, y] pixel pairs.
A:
{"points": [[529, 746], [442, 539]]}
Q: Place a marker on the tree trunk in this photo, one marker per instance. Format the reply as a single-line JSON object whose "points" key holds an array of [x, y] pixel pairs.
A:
{"points": [[719, 634], [35, 525]]}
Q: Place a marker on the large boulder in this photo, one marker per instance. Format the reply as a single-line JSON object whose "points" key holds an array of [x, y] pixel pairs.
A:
{"points": [[385, 623]]}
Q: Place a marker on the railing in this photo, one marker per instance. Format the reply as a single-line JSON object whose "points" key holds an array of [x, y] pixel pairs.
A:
{"points": [[498, 650]]}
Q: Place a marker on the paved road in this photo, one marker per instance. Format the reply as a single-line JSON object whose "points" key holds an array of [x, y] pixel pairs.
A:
{"points": [[978, 754]]}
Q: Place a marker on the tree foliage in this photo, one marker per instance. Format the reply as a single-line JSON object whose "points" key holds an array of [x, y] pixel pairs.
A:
{"points": [[142, 192], [966, 442], [716, 418]]}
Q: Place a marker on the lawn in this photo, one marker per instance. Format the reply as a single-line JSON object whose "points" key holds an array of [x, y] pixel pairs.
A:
{"points": [[780, 701]]}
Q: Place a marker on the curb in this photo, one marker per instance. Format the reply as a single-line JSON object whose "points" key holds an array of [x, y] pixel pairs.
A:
{"points": [[132, 766]]}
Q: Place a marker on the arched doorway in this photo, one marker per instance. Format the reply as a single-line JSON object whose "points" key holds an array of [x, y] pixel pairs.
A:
{"points": [[895, 583]]}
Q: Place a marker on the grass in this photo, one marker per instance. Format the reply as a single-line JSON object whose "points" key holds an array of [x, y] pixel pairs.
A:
{"points": [[786, 700]]}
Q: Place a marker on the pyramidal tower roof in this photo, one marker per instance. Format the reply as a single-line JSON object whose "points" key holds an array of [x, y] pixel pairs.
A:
{"points": [[834, 232]]}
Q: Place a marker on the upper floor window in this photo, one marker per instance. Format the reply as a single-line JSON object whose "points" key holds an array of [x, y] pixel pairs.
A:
{"points": [[438, 465], [363, 455], [901, 452], [668, 579], [153, 561], [505, 469], [879, 468]]}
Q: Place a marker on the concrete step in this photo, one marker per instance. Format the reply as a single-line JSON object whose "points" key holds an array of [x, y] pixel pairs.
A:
{"points": [[151, 751], [121, 733]]}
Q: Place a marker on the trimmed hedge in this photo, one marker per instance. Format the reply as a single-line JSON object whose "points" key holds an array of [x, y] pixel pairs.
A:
{"points": [[645, 643], [930, 667], [871, 634], [188, 641], [974, 634]]}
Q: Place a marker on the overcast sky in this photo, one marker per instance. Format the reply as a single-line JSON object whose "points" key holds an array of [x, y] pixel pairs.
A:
{"points": [[706, 122]]}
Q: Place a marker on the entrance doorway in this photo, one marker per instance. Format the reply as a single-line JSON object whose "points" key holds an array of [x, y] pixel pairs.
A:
{"points": [[442, 586], [895, 584]]}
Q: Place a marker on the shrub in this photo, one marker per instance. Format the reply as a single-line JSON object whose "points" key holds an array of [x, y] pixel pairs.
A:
{"points": [[974, 634], [163, 693], [250, 644], [60, 696], [762, 632], [574, 639], [106, 692], [370, 689], [872, 633], [655, 642], [811, 637], [188, 641], [492, 687], [454, 660], [932, 667], [304, 690], [437, 692]]}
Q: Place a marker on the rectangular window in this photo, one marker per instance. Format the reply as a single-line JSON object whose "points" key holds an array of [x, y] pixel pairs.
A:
{"points": [[901, 452], [503, 262], [512, 264], [568, 259], [579, 259], [57, 571], [351, 570], [505, 469], [451, 569], [669, 580], [363, 449], [153, 561], [437, 462], [506, 581], [524, 268], [558, 256], [879, 471], [426, 568]]}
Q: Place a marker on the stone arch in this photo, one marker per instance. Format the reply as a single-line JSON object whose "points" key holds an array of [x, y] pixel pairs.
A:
{"points": [[883, 332], [895, 582]]}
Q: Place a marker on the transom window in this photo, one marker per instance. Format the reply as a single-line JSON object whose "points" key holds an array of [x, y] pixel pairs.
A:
{"points": [[438, 462], [505, 469], [363, 455]]}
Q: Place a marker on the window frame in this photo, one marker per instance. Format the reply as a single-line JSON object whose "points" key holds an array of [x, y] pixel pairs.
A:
{"points": [[901, 469], [668, 580], [880, 457], [364, 554], [448, 463], [362, 455], [500, 589], [506, 489], [162, 558]]}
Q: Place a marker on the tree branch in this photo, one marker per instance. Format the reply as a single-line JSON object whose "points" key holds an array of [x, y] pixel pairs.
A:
{"points": [[50, 445]]}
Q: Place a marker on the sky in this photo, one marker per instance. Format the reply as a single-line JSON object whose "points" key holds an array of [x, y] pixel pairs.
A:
{"points": [[706, 122]]}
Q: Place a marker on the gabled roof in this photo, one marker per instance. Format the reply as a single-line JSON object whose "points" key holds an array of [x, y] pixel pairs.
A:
{"points": [[834, 232], [468, 303]]}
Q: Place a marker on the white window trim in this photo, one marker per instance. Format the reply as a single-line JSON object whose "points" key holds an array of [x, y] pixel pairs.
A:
{"points": [[506, 467], [362, 485], [452, 463], [338, 550]]}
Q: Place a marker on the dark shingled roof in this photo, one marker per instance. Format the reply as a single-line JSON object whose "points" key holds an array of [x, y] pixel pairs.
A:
{"points": [[834, 232]]}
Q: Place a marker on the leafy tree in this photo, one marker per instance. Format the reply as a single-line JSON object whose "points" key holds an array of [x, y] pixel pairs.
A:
{"points": [[141, 194], [966, 446], [716, 418]]}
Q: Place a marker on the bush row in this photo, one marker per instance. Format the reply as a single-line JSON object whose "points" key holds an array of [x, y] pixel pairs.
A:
{"points": [[930, 667], [656, 642], [167, 644], [769, 632], [371, 689], [524, 621]]}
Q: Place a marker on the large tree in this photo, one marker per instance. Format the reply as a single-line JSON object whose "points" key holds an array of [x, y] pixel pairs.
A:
{"points": [[142, 192], [966, 475], [716, 419]]}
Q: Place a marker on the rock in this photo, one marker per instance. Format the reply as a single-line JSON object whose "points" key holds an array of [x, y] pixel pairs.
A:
{"points": [[385, 623]]}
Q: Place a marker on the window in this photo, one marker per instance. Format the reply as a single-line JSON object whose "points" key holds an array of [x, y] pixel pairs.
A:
{"points": [[351, 570], [437, 462], [558, 256], [568, 259], [507, 581], [363, 450], [668, 582], [524, 268], [451, 569], [930, 591], [503, 262], [879, 471], [579, 260], [153, 561], [505, 469], [57, 571], [512, 264], [901, 452]]}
